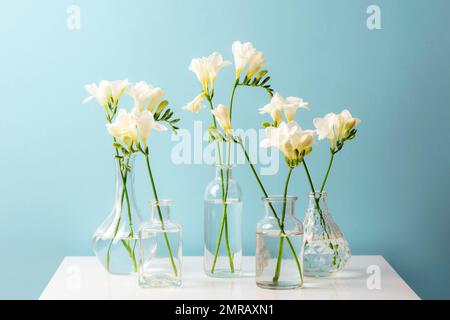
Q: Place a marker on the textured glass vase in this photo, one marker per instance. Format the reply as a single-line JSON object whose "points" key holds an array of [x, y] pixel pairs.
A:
{"points": [[279, 249], [223, 225], [326, 250], [115, 240], [160, 249]]}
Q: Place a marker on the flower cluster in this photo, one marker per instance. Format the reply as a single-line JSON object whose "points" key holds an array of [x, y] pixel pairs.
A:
{"points": [[132, 128], [288, 105], [337, 128], [288, 136], [292, 140]]}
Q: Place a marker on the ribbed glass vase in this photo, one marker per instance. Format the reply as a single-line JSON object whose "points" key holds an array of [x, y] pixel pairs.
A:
{"points": [[326, 250]]}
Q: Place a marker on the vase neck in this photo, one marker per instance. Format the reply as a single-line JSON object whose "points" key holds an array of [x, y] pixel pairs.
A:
{"points": [[161, 210], [280, 204], [124, 175], [224, 171], [318, 200]]}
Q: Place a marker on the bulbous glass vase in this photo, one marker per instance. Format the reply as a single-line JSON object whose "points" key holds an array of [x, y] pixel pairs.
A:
{"points": [[326, 251], [223, 225], [115, 240], [279, 244]]}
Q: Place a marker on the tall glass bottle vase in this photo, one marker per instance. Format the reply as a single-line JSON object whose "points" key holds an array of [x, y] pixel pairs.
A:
{"points": [[279, 244], [326, 250], [160, 249], [223, 225], [115, 240]]}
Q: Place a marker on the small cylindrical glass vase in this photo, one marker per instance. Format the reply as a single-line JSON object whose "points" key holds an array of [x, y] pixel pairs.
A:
{"points": [[160, 247], [223, 225], [279, 245], [326, 249]]}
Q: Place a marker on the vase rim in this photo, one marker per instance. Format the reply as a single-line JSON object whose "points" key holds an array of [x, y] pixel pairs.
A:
{"points": [[279, 198], [317, 193], [161, 202], [224, 166]]}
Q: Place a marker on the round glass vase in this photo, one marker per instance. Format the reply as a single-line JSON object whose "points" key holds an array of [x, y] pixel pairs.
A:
{"points": [[223, 225], [160, 248], [326, 251], [279, 245], [115, 240]]}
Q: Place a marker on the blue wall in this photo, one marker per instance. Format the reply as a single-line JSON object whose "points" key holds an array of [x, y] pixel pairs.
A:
{"points": [[388, 189]]}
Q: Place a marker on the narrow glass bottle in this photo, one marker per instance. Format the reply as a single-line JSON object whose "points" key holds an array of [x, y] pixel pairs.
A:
{"points": [[279, 251], [160, 247], [223, 225]]}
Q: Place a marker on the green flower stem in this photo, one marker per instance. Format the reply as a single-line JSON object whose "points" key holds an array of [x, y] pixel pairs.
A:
{"points": [[124, 194], [328, 171], [224, 224], [160, 215], [283, 214], [232, 96], [273, 210], [316, 200]]}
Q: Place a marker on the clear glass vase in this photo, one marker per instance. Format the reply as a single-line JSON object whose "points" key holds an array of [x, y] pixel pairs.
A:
{"points": [[160, 248], [279, 245], [326, 250], [115, 240], [223, 225]]}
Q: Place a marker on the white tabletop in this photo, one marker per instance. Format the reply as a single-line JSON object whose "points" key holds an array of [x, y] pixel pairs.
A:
{"points": [[365, 277]]}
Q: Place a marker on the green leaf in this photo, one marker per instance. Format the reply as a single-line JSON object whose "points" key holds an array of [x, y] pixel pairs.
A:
{"points": [[266, 124]]}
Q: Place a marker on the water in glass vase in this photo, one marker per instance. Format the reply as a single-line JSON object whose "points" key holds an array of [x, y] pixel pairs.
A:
{"points": [[279, 245], [326, 251], [323, 257], [160, 248], [156, 269], [223, 238], [268, 249], [119, 254], [115, 239], [223, 225]]}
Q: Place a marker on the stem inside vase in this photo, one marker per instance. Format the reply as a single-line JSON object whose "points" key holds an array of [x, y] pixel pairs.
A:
{"points": [[126, 244]]}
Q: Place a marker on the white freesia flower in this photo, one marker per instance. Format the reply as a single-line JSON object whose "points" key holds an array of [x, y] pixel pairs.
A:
{"points": [[155, 96], [117, 88], [324, 126], [207, 68], [290, 139], [289, 105], [124, 127], [142, 92], [196, 104], [222, 115], [274, 110], [346, 123], [145, 122], [335, 126], [242, 53], [101, 92], [255, 63], [106, 91]]}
